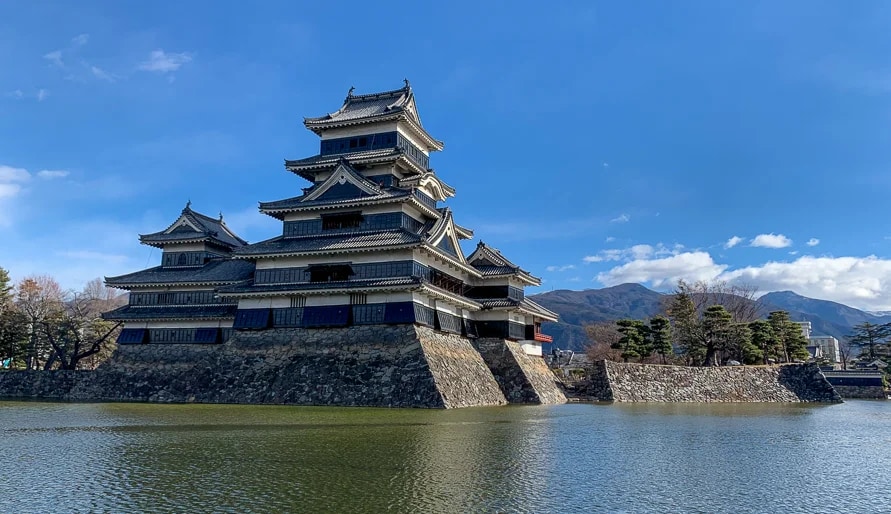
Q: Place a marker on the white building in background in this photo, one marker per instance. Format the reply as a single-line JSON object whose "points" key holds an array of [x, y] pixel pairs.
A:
{"points": [[805, 328], [828, 345]]}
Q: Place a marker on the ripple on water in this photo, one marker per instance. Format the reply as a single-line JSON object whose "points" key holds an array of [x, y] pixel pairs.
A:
{"points": [[573, 458]]}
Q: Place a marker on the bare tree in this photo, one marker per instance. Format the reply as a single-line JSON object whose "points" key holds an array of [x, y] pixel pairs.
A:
{"points": [[602, 336], [38, 297], [845, 351], [78, 331]]}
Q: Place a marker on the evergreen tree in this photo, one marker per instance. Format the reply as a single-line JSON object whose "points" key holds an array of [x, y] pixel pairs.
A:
{"points": [[762, 338], [634, 339], [716, 325], [870, 335], [686, 328], [790, 341], [660, 336]]}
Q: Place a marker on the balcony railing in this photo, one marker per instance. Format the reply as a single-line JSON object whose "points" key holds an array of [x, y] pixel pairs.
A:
{"points": [[544, 338]]}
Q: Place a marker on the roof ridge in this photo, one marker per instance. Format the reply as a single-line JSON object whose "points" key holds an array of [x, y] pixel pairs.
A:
{"points": [[379, 95]]}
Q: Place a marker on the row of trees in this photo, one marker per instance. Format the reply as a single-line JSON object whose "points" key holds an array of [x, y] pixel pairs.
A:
{"points": [[43, 326], [873, 339], [704, 324]]}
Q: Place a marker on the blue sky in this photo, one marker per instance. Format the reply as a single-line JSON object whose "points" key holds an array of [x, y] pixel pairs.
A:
{"points": [[594, 143]]}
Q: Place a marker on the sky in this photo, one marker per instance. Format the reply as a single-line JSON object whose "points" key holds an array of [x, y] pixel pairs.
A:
{"points": [[593, 143]]}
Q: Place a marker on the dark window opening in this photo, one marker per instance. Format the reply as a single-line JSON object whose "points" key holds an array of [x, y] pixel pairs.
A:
{"points": [[251, 319], [330, 273], [447, 282], [339, 221], [132, 336]]}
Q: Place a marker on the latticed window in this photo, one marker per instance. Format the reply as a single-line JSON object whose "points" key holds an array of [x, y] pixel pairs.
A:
{"points": [[298, 301], [339, 221], [358, 299]]}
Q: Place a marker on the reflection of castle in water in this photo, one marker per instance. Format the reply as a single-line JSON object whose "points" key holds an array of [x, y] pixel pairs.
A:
{"points": [[367, 244]]}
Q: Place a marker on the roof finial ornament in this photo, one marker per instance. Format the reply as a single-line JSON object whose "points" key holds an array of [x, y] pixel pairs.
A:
{"points": [[350, 92], [407, 85], [188, 204], [221, 215]]}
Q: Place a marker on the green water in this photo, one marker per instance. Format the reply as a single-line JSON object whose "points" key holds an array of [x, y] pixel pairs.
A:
{"points": [[570, 458]]}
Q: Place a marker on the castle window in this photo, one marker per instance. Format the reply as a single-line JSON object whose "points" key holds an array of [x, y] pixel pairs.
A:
{"points": [[358, 299], [330, 273], [298, 301], [341, 221]]}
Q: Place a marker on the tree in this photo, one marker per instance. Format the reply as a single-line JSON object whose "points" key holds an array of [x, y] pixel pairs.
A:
{"points": [[845, 350], [716, 324], [13, 325], [660, 336], [762, 338], [686, 328], [870, 335], [789, 339], [633, 342], [39, 298], [78, 331], [603, 336], [740, 346]]}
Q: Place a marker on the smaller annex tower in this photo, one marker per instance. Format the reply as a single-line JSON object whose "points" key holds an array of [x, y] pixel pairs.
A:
{"points": [[369, 241], [176, 302]]}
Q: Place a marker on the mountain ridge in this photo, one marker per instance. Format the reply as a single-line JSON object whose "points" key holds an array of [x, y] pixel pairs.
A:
{"points": [[578, 308]]}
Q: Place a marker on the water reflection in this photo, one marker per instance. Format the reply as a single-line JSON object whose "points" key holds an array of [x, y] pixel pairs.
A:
{"points": [[572, 458]]}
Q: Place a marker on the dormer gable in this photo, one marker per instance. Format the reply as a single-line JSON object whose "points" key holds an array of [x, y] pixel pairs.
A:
{"points": [[444, 236], [342, 184], [192, 227]]}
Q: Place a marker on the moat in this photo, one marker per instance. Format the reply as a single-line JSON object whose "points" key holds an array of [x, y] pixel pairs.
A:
{"points": [[565, 458]]}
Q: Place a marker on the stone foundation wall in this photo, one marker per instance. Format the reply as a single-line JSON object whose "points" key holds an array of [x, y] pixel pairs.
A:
{"points": [[861, 392], [382, 366], [612, 381], [523, 378]]}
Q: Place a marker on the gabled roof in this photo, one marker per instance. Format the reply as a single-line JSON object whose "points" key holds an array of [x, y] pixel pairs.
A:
{"points": [[444, 236], [192, 227], [398, 104], [491, 263], [433, 185], [344, 176], [221, 271]]}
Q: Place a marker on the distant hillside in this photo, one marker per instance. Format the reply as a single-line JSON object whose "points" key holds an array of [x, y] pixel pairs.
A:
{"points": [[580, 308], [832, 312]]}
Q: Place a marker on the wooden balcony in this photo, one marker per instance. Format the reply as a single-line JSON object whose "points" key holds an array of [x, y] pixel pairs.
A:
{"points": [[543, 338]]}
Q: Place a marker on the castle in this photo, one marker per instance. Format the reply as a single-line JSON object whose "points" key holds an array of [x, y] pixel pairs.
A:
{"points": [[367, 253]]}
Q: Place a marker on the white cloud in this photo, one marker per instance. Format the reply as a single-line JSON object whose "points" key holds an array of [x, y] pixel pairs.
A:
{"points": [[664, 271], [771, 241], [17, 94], [55, 57], [863, 282], [101, 74], [610, 239], [733, 241], [9, 190], [161, 62], [50, 174], [813, 241], [636, 252], [10, 174], [622, 218], [42, 94], [560, 268], [80, 39]]}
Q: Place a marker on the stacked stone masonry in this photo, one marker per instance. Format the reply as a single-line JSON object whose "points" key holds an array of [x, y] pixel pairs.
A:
{"points": [[619, 382], [381, 366]]}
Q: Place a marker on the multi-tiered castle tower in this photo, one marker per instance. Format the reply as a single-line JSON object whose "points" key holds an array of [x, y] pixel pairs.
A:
{"points": [[368, 243]]}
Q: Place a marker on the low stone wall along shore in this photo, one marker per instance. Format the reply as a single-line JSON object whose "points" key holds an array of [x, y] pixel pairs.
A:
{"points": [[621, 382]]}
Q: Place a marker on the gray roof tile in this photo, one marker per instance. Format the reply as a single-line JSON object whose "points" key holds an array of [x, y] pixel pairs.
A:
{"points": [[129, 312], [282, 245], [218, 271]]}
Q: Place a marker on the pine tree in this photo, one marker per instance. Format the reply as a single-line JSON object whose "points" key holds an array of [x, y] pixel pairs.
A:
{"points": [[660, 336]]}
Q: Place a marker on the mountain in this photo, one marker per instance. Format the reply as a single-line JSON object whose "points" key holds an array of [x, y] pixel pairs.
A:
{"points": [[832, 315], [580, 308]]}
